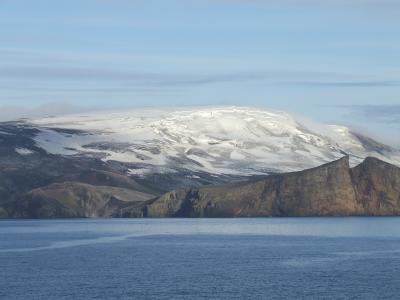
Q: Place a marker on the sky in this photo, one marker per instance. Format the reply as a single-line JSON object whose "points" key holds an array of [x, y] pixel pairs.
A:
{"points": [[335, 61]]}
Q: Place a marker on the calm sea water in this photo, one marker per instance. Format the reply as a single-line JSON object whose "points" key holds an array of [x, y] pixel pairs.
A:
{"points": [[312, 258]]}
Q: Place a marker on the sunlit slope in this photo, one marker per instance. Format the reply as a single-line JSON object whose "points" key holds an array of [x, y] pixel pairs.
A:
{"points": [[217, 140]]}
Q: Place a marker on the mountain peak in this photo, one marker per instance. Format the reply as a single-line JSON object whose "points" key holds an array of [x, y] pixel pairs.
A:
{"points": [[226, 140]]}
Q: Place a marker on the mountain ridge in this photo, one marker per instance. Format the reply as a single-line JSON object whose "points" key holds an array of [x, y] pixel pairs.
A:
{"points": [[333, 189]]}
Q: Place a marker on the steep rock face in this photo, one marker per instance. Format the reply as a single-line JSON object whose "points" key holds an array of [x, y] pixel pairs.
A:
{"points": [[333, 189], [60, 189], [377, 187], [325, 190]]}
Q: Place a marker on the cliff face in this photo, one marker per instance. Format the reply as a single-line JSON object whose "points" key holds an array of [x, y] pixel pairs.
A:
{"points": [[334, 189], [377, 187], [372, 188]]}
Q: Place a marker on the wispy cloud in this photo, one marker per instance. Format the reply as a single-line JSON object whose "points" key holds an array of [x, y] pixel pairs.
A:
{"points": [[366, 4], [344, 84], [11, 113], [30, 71], [376, 113]]}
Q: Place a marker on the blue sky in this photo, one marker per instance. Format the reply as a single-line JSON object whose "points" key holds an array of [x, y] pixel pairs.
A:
{"points": [[333, 60]]}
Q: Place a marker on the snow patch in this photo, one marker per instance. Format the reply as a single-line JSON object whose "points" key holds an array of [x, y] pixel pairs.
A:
{"points": [[23, 151]]}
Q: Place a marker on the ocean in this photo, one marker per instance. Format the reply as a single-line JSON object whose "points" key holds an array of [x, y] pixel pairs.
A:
{"points": [[249, 258]]}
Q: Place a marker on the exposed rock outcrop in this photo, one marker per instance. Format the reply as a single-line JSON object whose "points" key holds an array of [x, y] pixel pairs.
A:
{"points": [[74, 199], [333, 189], [377, 187]]}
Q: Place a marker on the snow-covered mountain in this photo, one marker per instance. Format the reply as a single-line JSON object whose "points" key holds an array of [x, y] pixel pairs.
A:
{"points": [[217, 140]]}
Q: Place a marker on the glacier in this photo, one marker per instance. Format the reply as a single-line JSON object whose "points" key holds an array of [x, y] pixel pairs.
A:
{"points": [[227, 140]]}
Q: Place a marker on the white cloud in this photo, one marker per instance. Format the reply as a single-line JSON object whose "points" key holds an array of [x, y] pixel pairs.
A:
{"points": [[11, 113]]}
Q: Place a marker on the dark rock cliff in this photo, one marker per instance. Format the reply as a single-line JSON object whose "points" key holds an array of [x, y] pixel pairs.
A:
{"points": [[333, 189], [78, 190], [377, 187]]}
